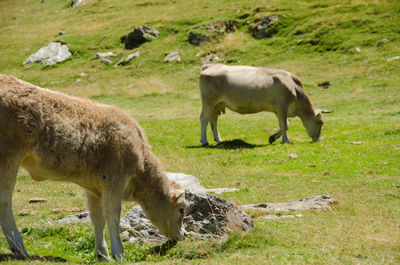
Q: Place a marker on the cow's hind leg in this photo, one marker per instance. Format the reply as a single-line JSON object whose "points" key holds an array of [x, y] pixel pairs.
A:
{"points": [[283, 125], [204, 119], [8, 176], [214, 127], [98, 220], [274, 137]]}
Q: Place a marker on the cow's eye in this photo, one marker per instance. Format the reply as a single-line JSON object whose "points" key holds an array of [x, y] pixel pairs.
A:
{"points": [[182, 210]]}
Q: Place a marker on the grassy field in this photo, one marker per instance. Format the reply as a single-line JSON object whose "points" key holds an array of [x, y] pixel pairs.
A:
{"points": [[344, 42]]}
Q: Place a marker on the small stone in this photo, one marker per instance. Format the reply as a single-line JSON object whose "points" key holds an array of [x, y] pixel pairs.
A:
{"points": [[138, 36], [293, 155], [358, 49], [393, 58], [173, 56], [106, 61], [82, 74], [327, 173], [104, 55], [37, 200], [382, 41], [358, 143], [61, 32]]}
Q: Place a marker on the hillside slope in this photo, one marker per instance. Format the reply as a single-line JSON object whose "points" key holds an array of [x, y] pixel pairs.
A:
{"points": [[352, 44]]}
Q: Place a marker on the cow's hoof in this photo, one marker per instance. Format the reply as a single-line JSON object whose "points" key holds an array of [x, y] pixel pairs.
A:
{"points": [[271, 139], [206, 145]]}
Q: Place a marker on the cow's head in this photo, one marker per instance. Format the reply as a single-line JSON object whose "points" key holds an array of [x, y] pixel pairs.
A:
{"points": [[313, 125], [167, 212]]}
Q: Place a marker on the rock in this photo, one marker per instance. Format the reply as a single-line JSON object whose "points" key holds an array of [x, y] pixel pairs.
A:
{"points": [[358, 143], [320, 202], [188, 182], [206, 216], [138, 36], [53, 53], [273, 216], [211, 58], [325, 85], [74, 3], [37, 200], [173, 56], [393, 58], [262, 27], [192, 184], [106, 61], [76, 218], [126, 60], [197, 39], [382, 41], [62, 32], [104, 55], [358, 49], [293, 155], [221, 27]]}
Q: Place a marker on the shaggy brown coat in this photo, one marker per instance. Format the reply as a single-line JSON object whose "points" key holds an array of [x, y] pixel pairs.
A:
{"points": [[99, 147]]}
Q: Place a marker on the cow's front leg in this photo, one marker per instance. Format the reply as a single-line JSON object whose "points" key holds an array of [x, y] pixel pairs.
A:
{"points": [[98, 220], [204, 118], [8, 176], [112, 205]]}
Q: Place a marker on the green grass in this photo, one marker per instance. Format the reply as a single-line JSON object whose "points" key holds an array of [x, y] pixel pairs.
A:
{"points": [[315, 39]]}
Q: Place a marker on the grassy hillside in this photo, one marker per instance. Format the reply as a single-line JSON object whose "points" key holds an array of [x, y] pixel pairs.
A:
{"points": [[344, 42]]}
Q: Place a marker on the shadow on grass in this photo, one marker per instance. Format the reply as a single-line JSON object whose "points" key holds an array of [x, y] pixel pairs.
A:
{"points": [[162, 249], [11, 257], [233, 144]]}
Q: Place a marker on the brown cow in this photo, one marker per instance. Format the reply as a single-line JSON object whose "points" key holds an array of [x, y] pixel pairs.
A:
{"points": [[246, 89], [100, 148]]}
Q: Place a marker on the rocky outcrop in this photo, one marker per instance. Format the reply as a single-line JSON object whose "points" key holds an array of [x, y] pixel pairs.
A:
{"points": [[138, 36], [53, 53]]}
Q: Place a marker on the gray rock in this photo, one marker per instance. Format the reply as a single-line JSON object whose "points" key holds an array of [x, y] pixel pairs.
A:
{"points": [[273, 216], [74, 3], [206, 216], [211, 58], [262, 26], [320, 202], [197, 39], [382, 41], [393, 58], [104, 55], [106, 61], [126, 60], [53, 53], [221, 27], [173, 56], [192, 184], [138, 36], [83, 217]]}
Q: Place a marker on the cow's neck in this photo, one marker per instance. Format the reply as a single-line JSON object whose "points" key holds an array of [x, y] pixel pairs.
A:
{"points": [[305, 109], [152, 182]]}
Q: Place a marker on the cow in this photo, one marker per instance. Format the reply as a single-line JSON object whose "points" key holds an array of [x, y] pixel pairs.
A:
{"points": [[246, 89], [63, 138]]}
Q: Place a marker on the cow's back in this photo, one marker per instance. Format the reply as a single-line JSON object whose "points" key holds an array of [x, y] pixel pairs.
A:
{"points": [[66, 136], [246, 89]]}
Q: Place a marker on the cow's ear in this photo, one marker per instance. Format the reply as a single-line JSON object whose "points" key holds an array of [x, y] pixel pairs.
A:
{"points": [[318, 114], [176, 195]]}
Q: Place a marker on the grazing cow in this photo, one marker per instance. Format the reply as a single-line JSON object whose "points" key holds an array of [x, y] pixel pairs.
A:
{"points": [[246, 89], [100, 148]]}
